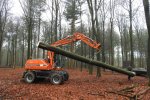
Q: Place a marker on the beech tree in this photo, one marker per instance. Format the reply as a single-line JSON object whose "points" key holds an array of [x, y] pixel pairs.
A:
{"points": [[72, 14], [4, 8], [93, 9], [147, 17]]}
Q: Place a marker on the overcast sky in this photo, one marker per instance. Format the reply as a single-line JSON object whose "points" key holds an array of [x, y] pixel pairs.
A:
{"points": [[16, 10]]}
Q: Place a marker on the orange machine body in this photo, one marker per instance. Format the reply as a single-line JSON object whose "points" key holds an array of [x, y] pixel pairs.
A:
{"points": [[49, 64], [40, 64]]}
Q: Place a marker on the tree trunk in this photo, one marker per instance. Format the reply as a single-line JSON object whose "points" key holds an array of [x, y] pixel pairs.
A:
{"points": [[82, 55], [111, 43], [56, 18], [23, 39], [72, 44], [131, 34], [125, 44], [147, 16], [39, 28], [30, 23], [84, 59], [94, 20], [103, 43], [8, 52], [52, 21], [91, 55]]}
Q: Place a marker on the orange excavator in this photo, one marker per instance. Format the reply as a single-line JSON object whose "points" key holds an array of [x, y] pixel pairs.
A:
{"points": [[39, 69]]}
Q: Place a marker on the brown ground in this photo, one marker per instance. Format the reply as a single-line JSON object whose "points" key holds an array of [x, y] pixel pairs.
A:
{"points": [[80, 86]]}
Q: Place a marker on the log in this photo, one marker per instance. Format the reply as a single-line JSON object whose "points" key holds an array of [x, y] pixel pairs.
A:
{"points": [[128, 88], [84, 59], [141, 94], [119, 93]]}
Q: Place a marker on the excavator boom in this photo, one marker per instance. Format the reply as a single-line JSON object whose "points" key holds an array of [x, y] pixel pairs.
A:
{"points": [[76, 37]]}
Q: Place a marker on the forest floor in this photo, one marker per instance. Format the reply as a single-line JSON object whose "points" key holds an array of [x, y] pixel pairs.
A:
{"points": [[80, 86]]}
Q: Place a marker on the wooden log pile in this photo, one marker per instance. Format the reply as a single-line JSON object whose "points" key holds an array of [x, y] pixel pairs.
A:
{"points": [[130, 92], [84, 59]]}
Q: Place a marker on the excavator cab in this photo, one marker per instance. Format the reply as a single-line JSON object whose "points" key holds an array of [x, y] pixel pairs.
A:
{"points": [[57, 60]]}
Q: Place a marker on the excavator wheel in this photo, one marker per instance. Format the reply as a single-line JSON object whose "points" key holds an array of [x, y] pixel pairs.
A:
{"points": [[56, 78], [29, 77]]}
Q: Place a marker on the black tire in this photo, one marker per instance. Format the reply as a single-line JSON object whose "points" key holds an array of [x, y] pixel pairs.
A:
{"points": [[56, 79], [29, 77], [66, 76]]}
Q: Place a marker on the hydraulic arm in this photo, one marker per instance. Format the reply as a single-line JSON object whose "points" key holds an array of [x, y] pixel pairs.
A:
{"points": [[70, 39]]}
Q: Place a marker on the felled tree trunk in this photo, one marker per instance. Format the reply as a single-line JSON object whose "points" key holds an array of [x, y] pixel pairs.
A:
{"points": [[83, 59]]}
